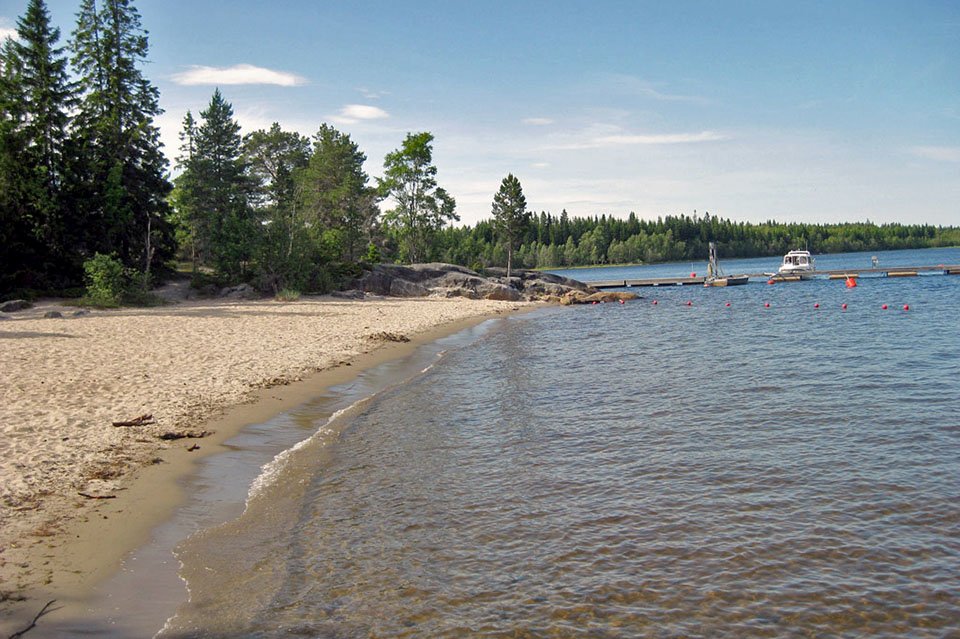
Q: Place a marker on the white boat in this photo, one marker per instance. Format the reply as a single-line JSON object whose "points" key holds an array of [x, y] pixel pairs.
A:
{"points": [[797, 264]]}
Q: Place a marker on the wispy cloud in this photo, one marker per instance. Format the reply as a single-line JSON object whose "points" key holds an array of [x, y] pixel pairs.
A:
{"points": [[538, 121], [373, 95], [7, 29], [353, 113], [938, 153], [668, 138], [237, 74], [541, 165], [621, 139], [647, 89]]}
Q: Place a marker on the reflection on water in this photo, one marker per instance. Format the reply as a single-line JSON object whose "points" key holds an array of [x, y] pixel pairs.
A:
{"points": [[623, 471]]}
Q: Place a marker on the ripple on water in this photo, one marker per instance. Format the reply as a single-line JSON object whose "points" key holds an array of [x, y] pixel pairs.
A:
{"points": [[660, 482]]}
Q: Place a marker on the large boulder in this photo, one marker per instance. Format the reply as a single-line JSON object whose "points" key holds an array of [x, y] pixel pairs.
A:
{"points": [[12, 306]]}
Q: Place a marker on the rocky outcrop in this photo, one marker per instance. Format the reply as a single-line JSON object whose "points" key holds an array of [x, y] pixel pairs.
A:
{"points": [[449, 280]]}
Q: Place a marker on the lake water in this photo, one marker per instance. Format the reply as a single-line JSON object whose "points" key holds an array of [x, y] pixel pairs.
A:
{"points": [[635, 470]]}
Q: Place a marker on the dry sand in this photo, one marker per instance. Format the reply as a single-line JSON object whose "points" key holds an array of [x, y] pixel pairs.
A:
{"points": [[64, 382]]}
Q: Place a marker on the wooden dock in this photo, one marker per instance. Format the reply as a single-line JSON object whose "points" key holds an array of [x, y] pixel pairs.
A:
{"points": [[893, 271]]}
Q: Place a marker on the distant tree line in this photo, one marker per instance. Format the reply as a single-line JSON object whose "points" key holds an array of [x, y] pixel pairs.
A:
{"points": [[86, 196], [550, 241]]}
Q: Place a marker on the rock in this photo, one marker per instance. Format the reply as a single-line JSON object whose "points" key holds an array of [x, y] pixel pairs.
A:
{"points": [[578, 297], [81, 312], [4, 317], [405, 288], [352, 294], [241, 291], [52, 315], [449, 280], [12, 306]]}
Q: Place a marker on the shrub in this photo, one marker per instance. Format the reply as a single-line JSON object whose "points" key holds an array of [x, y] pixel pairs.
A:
{"points": [[288, 295], [106, 280]]}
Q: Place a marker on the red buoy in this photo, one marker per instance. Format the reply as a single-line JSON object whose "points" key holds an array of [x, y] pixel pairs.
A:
{"points": [[767, 305], [654, 302], [884, 307], [906, 307], [769, 281], [622, 302], [816, 304], [688, 303], [843, 306], [693, 275], [728, 303]]}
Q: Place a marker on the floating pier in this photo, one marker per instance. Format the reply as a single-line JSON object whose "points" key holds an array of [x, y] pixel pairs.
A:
{"points": [[893, 271]]}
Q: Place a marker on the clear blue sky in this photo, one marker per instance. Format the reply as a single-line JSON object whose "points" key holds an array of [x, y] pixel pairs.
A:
{"points": [[795, 111]]}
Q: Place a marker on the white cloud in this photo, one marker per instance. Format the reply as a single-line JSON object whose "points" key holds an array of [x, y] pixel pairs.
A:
{"points": [[668, 138], [538, 121], [938, 153], [353, 113], [373, 95], [595, 141], [7, 30], [237, 74], [541, 165]]}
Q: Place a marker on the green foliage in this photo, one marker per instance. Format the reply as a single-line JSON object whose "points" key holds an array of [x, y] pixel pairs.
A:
{"points": [[372, 256], [288, 295], [106, 280], [510, 215], [422, 208], [334, 192], [558, 242]]}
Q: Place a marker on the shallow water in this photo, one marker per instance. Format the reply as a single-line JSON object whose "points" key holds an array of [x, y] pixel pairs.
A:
{"points": [[625, 470]]}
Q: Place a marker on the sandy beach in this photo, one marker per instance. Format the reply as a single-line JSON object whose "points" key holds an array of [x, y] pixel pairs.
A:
{"points": [[76, 490]]}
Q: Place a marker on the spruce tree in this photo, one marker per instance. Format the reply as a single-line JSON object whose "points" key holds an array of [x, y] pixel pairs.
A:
{"points": [[216, 192], [121, 164], [36, 97]]}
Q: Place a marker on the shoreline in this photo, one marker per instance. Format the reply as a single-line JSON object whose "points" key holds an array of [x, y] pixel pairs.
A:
{"points": [[66, 560]]}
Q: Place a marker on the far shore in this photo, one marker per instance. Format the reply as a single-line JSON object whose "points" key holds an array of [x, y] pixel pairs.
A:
{"points": [[77, 492]]}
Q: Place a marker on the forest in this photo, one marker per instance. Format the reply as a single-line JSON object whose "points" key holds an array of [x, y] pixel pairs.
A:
{"points": [[89, 200]]}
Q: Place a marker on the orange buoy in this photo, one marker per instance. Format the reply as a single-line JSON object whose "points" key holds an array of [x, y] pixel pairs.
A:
{"points": [[851, 282], [769, 281]]}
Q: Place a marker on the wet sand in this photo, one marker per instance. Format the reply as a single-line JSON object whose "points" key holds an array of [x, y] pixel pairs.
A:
{"points": [[78, 493]]}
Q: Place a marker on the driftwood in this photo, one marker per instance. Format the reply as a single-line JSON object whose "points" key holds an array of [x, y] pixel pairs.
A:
{"points": [[143, 420], [182, 434], [33, 624], [193, 448], [97, 496]]}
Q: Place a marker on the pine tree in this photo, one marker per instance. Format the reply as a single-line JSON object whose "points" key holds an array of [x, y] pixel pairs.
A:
{"points": [[510, 215], [335, 192]]}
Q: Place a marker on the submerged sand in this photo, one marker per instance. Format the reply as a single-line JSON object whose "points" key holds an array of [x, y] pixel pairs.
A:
{"points": [[65, 381]]}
